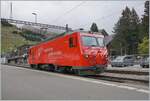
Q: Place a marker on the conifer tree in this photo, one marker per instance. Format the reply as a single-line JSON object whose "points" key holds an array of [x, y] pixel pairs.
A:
{"points": [[127, 32], [94, 28]]}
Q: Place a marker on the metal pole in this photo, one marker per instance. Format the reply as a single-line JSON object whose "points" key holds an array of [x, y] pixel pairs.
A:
{"points": [[35, 17], [125, 51], [66, 27], [11, 10], [121, 49]]}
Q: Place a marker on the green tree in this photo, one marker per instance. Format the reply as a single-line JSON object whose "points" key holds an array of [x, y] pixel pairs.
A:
{"points": [[94, 28], [126, 32], [145, 19], [134, 32], [121, 31], [103, 32], [144, 46], [144, 31]]}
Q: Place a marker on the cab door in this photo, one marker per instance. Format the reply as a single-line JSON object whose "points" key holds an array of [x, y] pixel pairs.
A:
{"points": [[73, 50]]}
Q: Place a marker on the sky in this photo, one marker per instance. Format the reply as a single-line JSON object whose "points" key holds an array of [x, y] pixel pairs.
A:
{"points": [[77, 14]]}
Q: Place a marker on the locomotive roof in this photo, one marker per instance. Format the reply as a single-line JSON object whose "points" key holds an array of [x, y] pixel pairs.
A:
{"points": [[67, 33], [92, 34]]}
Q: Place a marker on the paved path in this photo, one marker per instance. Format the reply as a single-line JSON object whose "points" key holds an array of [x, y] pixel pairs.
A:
{"points": [[27, 84]]}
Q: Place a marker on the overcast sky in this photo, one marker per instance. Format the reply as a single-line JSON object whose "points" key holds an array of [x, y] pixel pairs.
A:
{"points": [[78, 14]]}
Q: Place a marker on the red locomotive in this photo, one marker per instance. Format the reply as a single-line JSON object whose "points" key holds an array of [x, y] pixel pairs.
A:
{"points": [[83, 53]]}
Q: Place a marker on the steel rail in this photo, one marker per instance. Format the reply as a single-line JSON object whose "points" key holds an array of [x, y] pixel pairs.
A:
{"points": [[99, 77]]}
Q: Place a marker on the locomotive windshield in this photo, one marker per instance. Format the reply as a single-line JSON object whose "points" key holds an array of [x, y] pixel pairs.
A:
{"points": [[100, 41], [92, 41]]}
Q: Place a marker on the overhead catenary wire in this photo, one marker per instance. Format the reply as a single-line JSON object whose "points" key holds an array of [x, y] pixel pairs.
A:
{"points": [[109, 15], [105, 17], [67, 12]]}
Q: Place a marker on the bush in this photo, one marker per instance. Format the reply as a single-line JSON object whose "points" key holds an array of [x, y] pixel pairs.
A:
{"points": [[4, 23], [143, 47], [15, 32]]}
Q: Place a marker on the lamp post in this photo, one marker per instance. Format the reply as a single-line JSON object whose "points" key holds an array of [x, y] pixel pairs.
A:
{"points": [[35, 17], [11, 10]]}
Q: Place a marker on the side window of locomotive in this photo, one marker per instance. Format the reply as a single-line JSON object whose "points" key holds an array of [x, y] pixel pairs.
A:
{"points": [[71, 42]]}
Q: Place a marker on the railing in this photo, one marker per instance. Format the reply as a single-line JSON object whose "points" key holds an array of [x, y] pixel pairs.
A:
{"points": [[34, 24]]}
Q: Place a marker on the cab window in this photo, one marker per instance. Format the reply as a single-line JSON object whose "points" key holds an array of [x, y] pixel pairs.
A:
{"points": [[89, 41], [71, 42]]}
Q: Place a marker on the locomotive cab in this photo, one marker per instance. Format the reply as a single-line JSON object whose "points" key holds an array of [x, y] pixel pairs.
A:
{"points": [[94, 52]]}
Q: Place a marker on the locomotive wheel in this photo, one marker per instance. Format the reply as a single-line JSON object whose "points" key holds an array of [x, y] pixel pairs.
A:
{"points": [[33, 66], [39, 66], [51, 67], [67, 69], [76, 71]]}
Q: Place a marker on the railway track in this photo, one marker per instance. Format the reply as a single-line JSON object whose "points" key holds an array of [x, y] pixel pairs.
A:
{"points": [[106, 77], [124, 71], [120, 79]]}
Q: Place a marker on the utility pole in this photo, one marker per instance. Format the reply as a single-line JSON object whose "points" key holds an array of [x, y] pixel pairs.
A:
{"points": [[121, 49], [35, 17], [125, 51], [66, 27], [11, 10]]}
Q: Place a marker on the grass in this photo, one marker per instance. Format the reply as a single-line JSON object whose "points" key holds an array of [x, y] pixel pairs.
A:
{"points": [[10, 41]]}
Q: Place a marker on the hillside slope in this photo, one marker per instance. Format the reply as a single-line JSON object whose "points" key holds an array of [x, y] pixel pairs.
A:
{"points": [[10, 41]]}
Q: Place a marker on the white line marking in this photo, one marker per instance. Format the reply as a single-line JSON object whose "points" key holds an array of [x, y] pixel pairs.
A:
{"points": [[127, 87], [103, 83], [142, 90], [91, 81]]}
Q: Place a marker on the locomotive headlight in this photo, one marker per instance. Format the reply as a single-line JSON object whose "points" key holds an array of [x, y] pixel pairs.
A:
{"points": [[106, 55], [86, 55]]}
